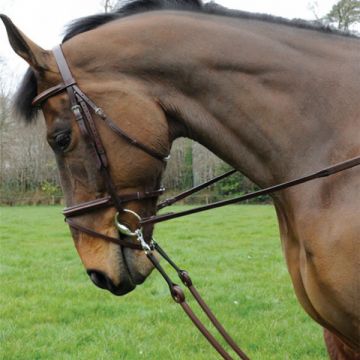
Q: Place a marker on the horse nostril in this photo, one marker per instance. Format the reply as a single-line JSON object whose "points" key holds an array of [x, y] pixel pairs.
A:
{"points": [[99, 279]]}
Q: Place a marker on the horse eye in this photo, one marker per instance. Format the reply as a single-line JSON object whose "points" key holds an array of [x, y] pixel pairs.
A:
{"points": [[62, 140]]}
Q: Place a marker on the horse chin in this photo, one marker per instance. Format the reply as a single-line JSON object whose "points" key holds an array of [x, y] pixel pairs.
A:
{"points": [[135, 269], [133, 274], [137, 265]]}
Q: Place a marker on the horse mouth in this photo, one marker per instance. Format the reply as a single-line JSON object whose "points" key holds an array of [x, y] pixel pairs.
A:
{"points": [[132, 272], [101, 280], [130, 266]]}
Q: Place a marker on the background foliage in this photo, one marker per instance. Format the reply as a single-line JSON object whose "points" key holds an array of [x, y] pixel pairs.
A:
{"points": [[344, 14], [28, 172]]}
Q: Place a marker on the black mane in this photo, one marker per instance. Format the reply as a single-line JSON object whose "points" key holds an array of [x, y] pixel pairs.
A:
{"points": [[132, 7], [28, 88]]}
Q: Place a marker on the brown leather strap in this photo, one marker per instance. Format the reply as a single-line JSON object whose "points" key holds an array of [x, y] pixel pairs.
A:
{"points": [[111, 124], [65, 73], [86, 122], [74, 91], [195, 189], [39, 99], [107, 201], [186, 280], [96, 234], [348, 164], [63, 66], [216, 322], [93, 133], [208, 336], [81, 105], [179, 297]]}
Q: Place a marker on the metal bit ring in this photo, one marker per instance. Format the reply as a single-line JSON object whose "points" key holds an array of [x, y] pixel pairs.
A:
{"points": [[123, 229]]}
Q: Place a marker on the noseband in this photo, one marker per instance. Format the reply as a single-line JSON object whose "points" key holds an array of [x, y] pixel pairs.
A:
{"points": [[83, 109]]}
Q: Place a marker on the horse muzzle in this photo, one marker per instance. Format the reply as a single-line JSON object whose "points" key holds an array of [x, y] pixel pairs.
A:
{"points": [[101, 280]]}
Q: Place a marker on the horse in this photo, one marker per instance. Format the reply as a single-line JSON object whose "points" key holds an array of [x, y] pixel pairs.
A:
{"points": [[273, 98]]}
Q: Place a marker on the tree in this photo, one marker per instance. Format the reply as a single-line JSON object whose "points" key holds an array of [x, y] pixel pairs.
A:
{"points": [[344, 14], [108, 5], [313, 6], [4, 119], [27, 164], [179, 170]]}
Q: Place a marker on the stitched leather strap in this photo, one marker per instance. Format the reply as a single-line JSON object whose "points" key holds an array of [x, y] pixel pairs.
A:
{"points": [[348, 164], [179, 297], [63, 66], [186, 280], [39, 99], [111, 124], [107, 201], [96, 234], [193, 190]]}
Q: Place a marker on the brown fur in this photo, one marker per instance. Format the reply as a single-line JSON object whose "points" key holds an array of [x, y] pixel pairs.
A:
{"points": [[286, 103], [337, 349]]}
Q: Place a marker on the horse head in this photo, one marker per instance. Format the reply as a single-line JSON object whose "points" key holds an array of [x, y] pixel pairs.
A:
{"points": [[131, 170]]}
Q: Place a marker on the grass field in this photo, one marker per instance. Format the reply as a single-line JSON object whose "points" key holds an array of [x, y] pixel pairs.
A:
{"points": [[50, 309]]}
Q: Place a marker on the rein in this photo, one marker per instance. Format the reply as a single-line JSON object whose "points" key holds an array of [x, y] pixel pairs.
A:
{"points": [[83, 109], [339, 167]]}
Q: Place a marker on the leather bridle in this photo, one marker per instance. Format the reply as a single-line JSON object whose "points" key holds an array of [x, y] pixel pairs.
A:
{"points": [[81, 106], [83, 109]]}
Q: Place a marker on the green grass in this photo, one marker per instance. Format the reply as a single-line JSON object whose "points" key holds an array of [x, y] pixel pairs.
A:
{"points": [[50, 309]]}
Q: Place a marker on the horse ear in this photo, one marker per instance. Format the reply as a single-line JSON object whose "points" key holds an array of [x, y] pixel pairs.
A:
{"points": [[33, 54]]}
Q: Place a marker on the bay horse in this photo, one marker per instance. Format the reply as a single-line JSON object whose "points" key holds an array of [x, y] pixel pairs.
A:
{"points": [[274, 98]]}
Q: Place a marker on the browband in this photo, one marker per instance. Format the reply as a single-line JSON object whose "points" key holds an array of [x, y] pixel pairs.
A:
{"points": [[54, 90]]}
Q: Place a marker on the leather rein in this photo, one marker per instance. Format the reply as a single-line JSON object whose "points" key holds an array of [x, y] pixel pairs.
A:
{"points": [[83, 109]]}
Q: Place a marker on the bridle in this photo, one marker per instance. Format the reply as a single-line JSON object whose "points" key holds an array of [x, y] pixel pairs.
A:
{"points": [[83, 109], [81, 106]]}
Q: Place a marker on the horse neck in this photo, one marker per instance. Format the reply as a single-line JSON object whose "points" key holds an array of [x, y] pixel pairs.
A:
{"points": [[261, 96], [265, 98]]}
